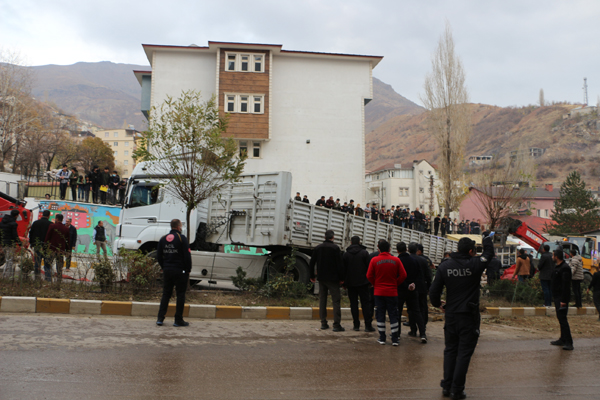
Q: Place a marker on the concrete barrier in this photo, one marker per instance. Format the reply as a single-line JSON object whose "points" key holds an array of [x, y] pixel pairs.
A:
{"points": [[18, 304], [116, 308], [301, 313], [202, 311], [278, 313], [93, 307], [140, 309], [229, 312], [254, 312], [56, 306]]}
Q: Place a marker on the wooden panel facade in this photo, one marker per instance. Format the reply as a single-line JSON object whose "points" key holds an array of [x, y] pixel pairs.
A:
{"points": [[242, 125]]}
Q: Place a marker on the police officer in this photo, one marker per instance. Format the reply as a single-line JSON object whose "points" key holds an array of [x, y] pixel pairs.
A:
{"points": [[462, 276], [175, 259]]}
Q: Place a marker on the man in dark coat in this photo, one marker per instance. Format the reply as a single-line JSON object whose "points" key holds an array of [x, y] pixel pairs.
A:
{"points": [[72, 242], [461, 275], [321, 202], [436, 225], [356, 263], [546, 266], [493, 271], [424, 263], [408, 292], [37, 237], [10, 239], [330, 273], [95, 182], [57, 239], [104, 185], [561, 291], [173, 255]]}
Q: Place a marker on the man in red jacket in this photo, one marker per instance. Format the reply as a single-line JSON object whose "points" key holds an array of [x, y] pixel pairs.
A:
{"points": [[57, 240], [386, 273]]}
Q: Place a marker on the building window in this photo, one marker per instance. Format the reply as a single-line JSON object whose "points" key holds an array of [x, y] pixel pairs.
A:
{"points": [[115, 144], [403, 192], [117, 134], [126, 172], [243, 148], [126, 162], [106, 134], [245, 62], [126, 153], [421, 190], [245, 103], [126, 144], [258, 59], [255, 149], [546, 213], [115, 153]]}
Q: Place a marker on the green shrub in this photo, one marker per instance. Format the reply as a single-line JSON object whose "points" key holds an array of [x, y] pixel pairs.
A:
{"points": [[278, 285], [143, 271], [528, 293], [103, 274]]}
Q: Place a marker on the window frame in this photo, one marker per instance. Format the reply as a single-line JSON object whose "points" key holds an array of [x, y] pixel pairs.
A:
{"points": [[250, 146], [238, 62], [115, 144], [250, 103]]}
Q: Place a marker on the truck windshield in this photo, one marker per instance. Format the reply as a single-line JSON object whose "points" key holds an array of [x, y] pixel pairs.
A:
{"points": [[144, 194]]}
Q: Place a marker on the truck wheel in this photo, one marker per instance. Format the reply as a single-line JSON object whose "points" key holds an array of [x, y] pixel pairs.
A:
{"points": [[300, 271], [587, 278]]}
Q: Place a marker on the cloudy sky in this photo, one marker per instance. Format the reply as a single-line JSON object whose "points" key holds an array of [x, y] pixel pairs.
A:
{"points": [[510, 49]]}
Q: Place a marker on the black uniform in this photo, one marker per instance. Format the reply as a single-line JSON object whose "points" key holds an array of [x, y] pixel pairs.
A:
{"points": [[356, 263], [423, 288], [175, 259], [493, 271], [414, 274], [462, 276], [561, 292], [595, 286]]}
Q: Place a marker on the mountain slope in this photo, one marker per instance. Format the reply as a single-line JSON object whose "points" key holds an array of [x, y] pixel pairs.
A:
{"points": [[387, 104], [104, 93]]}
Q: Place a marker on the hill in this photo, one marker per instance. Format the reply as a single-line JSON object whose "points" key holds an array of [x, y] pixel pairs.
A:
{"points": [[387, 104], [569, 143], [104, 93]]}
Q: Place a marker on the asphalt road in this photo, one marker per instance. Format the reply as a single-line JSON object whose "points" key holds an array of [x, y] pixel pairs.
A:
{"points": [[70, 357]]}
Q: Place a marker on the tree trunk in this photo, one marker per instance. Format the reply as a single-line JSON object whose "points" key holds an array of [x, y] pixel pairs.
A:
{"points": [[188, 213]]}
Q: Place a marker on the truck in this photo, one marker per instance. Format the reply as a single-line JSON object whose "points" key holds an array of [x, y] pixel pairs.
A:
{"points": [[255, 212], [9, 203]]}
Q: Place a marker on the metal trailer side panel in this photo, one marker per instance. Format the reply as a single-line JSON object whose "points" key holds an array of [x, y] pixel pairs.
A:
{"points": [[308, 224]]}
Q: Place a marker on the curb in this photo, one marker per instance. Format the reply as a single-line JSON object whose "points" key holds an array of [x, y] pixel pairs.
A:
{"points": [[17, 304]]}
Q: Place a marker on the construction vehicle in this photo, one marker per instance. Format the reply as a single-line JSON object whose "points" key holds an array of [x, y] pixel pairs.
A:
{"points": [[588, 249], [9, 203], [257, 212]]}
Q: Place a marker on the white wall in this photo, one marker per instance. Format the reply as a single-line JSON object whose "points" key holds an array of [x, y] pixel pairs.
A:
{"points": [[173, 72], [321, 100]]}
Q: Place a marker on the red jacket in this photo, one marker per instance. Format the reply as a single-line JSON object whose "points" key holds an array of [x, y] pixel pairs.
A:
{"points": [[57, 237], [386, 273]]}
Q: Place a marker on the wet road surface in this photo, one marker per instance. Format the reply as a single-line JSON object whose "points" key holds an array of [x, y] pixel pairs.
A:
{"points": [[71, 357]]}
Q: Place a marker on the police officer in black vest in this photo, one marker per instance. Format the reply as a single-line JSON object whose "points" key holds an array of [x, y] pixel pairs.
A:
{"points": [[175, 259], [461, 275]]}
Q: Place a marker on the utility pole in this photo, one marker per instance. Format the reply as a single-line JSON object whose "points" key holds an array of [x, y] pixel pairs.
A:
{"points": [[431, 202], [585, 93]]}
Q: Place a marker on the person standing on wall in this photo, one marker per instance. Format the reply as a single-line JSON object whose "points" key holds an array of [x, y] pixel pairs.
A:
{"points": [[63, 177], [57, 240], [356, 263], [114, 181], [561, 291], [94, 178], [461, 275], [72, 242], [175, 259], [37, 237], [327, 258], [100, 240], [104, 185], [73, 183]]}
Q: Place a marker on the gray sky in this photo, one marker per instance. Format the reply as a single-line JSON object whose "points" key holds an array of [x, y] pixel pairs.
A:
{"points": [[510, 49]]}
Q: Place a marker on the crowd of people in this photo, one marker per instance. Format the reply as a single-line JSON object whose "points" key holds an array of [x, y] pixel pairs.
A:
{"points": [[403, 217], [104, 186], [52, 242]]}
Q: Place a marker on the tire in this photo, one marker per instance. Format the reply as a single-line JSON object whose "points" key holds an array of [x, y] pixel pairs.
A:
{"points": [[300, 271], [587, 278]]}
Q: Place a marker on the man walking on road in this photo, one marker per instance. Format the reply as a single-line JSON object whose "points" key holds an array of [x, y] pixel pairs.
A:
{"points": [[57, 240], [461, 275], [330, 274], [386, 273], [72, 242], [175, 259], [546, 266], [10, 239], [356, 263], [561, 291], [37, 237], [422, 281]]}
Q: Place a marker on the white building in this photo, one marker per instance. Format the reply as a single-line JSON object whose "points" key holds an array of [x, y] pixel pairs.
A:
{"points": [[406, 187], [294, 111]]}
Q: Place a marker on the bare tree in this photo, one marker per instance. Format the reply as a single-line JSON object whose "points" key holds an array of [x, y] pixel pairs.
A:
{"points": [[446, 97], [502, 186], [542, 101]]}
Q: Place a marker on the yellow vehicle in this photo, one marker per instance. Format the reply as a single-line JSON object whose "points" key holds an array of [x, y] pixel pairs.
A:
{"points": [[588, 248]]}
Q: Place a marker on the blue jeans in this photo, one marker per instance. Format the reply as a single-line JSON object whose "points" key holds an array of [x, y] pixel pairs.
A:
{"points": [[523, 278], [389, 304], [80, 193], [37, 265], [547, 292]]}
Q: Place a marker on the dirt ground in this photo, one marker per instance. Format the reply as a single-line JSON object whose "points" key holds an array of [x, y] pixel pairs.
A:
{"points": [[582, 326]]}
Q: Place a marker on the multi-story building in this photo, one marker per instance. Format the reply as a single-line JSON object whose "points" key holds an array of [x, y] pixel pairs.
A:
{"points": [[294, 111], [405, 187], [122, 142]]}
